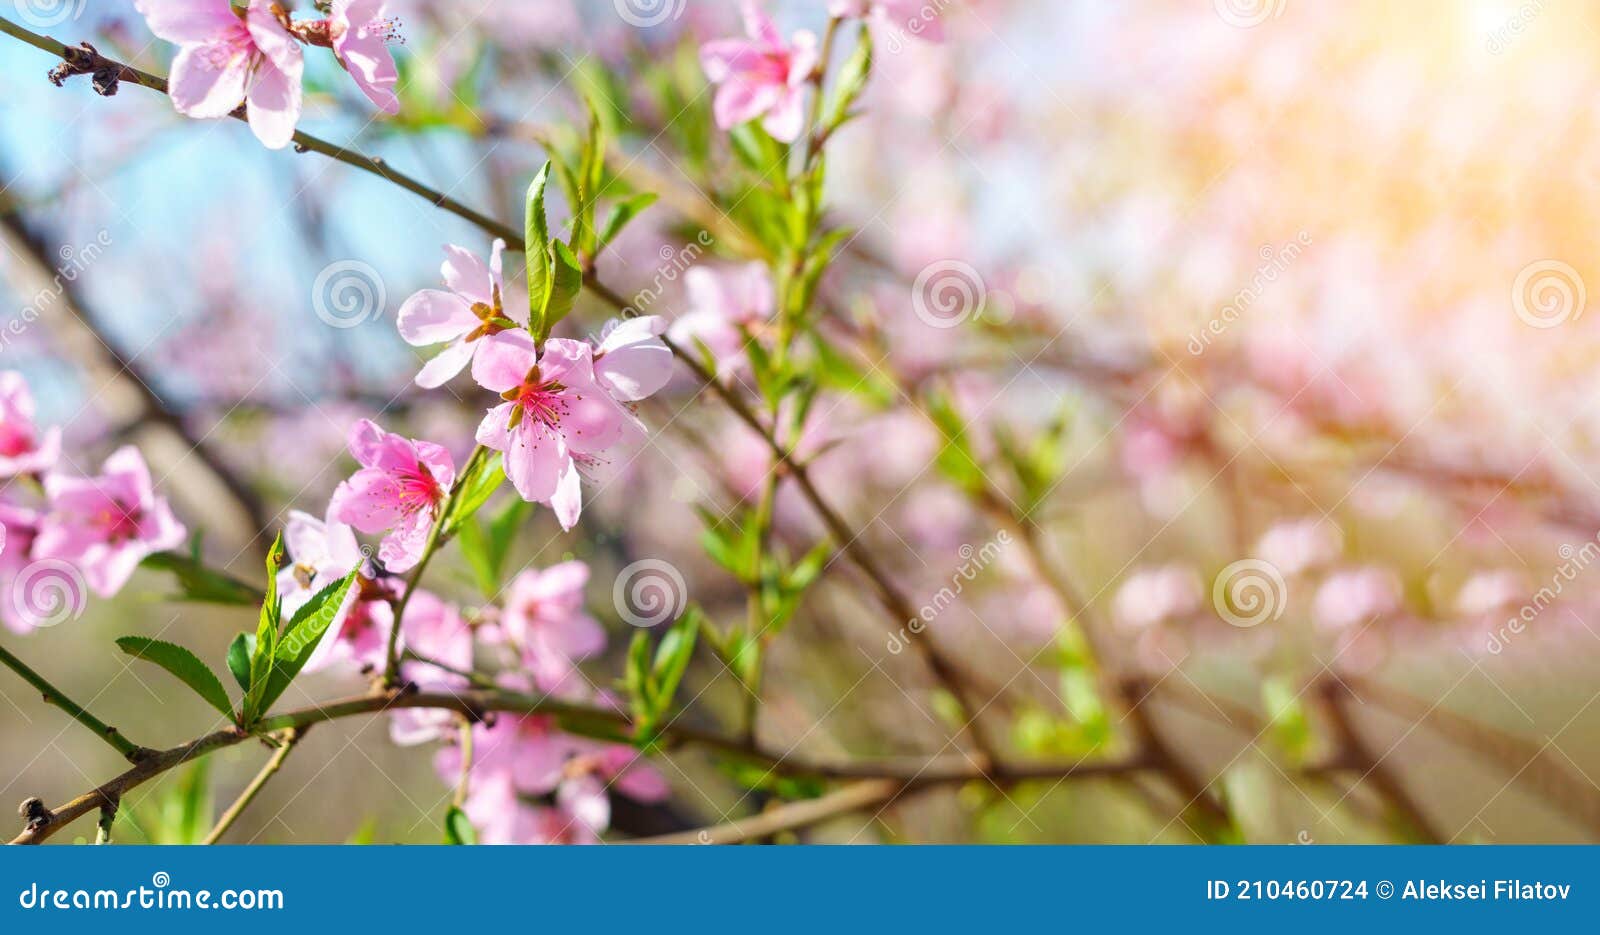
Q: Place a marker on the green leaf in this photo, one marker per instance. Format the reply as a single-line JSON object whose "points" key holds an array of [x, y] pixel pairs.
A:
{"points": [[239, 653], [458, 828], [183, 664], [300, 638], [266, 636], [672, 659], [536, 230], [200, 584], [622, 213], [565, 284], [852, 81], [483, 477]]}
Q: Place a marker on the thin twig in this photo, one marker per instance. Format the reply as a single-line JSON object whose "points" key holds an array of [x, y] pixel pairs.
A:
{"points": [[790, 817], [77, 712], [274, 763]]}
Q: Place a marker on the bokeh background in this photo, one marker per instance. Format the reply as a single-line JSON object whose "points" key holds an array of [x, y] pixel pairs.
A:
{"points": [[1300, 284]]}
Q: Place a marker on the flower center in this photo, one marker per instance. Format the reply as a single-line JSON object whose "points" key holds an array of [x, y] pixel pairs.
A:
{"points": [[419, 489], [537, 400], [120, 523], [15, 440]]}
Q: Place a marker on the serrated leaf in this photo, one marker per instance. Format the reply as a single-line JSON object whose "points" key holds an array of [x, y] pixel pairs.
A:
{"points": [[483, 477], [565, 283], [239, 653], [300, 638], [182, 664]]}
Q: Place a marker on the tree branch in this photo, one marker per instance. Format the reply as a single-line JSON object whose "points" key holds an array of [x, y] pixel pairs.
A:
{"points": [[54, 696]]}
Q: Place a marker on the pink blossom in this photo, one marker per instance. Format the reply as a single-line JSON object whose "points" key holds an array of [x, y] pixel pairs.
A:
{"points": [[321, 552], [545, 619], [1155, 595], [761, 76], [630, 360], [725, 307], [361, 35], [106, 525], [398, 490], [554, 415], [18, 527], [1300, 545], [1356, 597], [227, 57], [22, 449], [918, 17], [435, 630], [474, 307]]}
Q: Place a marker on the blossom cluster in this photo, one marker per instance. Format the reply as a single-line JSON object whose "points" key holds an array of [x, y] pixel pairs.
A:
{"points": [[101, 527], [250, 53]]}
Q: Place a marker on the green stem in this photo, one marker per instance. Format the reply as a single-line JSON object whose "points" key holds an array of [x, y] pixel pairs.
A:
{"points": [[274, 763], [77, 712]]}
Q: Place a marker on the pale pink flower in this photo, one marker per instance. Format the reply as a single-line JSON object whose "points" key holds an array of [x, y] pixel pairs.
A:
{"points": [[545, 619], [554, 414], [475, 307], [18, 527], [361, 35], [1156, 595], [227, 57], [23, 450], [761, 76], [321, 553], [725, 307], [1356, 597], [398, 490], [920, 18], [106, 525], [1300, 545], [630, 360], [435, 630]]}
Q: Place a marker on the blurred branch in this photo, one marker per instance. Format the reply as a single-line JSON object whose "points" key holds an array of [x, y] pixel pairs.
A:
{"points": [[1372, 765], [126, 389], [790, 817]]}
